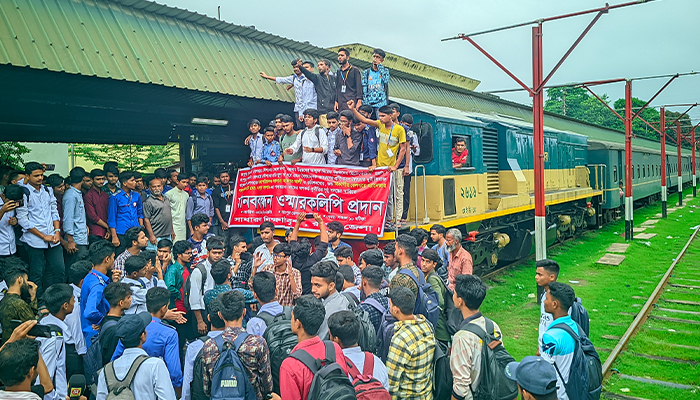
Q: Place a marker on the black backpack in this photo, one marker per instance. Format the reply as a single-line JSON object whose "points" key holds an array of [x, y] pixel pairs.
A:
{"points": [[368, 337], [280, 341], [493, 382], [427, 303], [386, 332], [188, 284], [582, 386], [442, 373], [580, 315], [197, 384], [93, 357], [330, 381]]}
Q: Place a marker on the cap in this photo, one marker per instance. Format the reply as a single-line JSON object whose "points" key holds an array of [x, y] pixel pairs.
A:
{"points": [[534, 374], [131, 326], [371, 238]]}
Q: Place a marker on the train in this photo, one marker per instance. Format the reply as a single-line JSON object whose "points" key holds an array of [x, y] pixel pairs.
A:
{"points": [[490, 199]]}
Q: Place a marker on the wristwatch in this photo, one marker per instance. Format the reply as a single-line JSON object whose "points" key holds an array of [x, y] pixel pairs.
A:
{"points": [[56, 230]]}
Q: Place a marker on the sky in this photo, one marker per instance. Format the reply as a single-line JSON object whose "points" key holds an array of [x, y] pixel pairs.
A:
{"points": [[654, 38]]}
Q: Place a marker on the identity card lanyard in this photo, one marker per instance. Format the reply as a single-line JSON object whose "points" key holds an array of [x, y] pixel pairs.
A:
{"points": [[344, 78]]}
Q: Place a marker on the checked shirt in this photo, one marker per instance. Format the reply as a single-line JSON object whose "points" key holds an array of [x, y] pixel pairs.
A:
{"points": [[410, 359]]}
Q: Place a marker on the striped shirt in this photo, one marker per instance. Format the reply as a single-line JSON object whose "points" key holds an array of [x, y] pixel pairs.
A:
{"points": [[410, 359]]}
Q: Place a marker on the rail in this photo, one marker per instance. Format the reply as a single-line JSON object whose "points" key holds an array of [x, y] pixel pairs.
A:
{"points": [[425, 198], [644, 313]]}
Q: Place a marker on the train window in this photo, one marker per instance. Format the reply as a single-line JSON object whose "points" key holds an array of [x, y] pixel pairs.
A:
{"points": [[614, 173], [459, 139], [424, 131], [638, 171], [644, 172]]}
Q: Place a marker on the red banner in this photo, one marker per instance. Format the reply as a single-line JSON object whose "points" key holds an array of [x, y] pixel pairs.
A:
{"points": [[352, 196]]}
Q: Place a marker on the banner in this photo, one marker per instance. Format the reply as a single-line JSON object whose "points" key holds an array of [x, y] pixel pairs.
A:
{"points": [[352, 196]]}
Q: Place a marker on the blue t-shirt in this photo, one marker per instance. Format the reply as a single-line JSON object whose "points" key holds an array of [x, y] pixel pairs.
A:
{"points": [[558, 347]]}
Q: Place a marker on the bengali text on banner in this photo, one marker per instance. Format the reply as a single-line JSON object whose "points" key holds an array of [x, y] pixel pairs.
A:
{"points": [[353, 196]]}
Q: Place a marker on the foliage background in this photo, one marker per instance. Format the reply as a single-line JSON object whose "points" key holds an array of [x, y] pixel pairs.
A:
{"points": [[130, 157]]}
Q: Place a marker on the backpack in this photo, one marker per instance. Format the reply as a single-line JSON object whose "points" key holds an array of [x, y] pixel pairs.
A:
{"points": [[229, 380], [367, 387], [449, 307], [582, 385], [493, 382], [197, 384], [330, 381], [351, 298], [121, 390], [368, 337], [427, 302], [580, 315], [188, 284], [442, 373], [92, 360], [386, 332], [280, 340]]}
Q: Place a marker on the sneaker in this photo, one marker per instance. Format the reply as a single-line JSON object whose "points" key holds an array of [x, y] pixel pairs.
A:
{"points": [[389, 226]]}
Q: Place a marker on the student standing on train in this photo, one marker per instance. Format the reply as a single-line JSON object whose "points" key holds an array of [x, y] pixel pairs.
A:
{"points": [[375, 82], [304, 91], [348, 86]]}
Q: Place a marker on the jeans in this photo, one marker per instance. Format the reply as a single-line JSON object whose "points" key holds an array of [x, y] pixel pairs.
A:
{"points": [[71, 259], [406, 195], [46, 267]]}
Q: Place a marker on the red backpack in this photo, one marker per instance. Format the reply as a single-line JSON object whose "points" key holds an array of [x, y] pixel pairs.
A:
{"points": [[367, 387]]}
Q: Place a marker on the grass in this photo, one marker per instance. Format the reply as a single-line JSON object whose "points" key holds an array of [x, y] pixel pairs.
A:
{"points": [[606, 291]]}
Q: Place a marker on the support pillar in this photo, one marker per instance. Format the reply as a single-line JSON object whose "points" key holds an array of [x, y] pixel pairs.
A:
{"points": [[692, 142], [538, 144], [629, 168], [680, 163], [664, 192], [185, 152]]}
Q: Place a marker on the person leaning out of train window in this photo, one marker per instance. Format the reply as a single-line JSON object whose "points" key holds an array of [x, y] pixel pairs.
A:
{"points": [[459, 153], [271, 151]]}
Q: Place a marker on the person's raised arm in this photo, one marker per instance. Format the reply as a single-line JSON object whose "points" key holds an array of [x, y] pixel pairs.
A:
{"points": [[322, 228], [367, 121], [268, 77], [294, 236], [308, 74]]}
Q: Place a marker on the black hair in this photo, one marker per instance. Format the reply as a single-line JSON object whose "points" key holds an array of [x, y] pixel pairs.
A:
{"points": [[269, 129], [379, 52], [390, 248], [267, 224], [432, 255], [395, 107], [344, 251], [111, 169], [326, 270], [313, 113], [310, 312], [224, 171], [137, 175], [308, 63], [76, 175], [13, 268], [550, 266], [335, 226], [236, 239], [325, 61], [126, 175], [156, 298], [366, 108], [264, 285], [202, 179], [232, 305], [420, 235], [317, 240], [180, 247], [220, 271], [213, 309], [165, 243], [110, 164], [408, 244], [132, 235], [99, 250], [408, 119], [56, 296], [439, 229], [149, 255], [16, 359], [33, 166], [471, 289], [14, 192], [374, 276], [215, 243], [339, 281], [348, 274], [116, 292], [134, 264], [283, 248], [371, 257], [254, 244], [161, 173], [345, 326], [344, 50], [55, 180], [199, 219], [183, 176], [286, 118], [460, 139], [78, 271], [349, 115], [302, 249], [97, 172], [386, 110], [403, 298], [332, 115], [563, 293]]}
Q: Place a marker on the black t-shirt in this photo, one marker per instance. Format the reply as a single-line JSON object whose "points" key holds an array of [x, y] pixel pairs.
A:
{"points": [[109, 339], [223, 196], [304, 264]]}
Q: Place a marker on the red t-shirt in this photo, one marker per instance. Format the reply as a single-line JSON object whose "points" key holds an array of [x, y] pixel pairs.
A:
{"points": [[180, 303], [459, 158], [295, 377]]}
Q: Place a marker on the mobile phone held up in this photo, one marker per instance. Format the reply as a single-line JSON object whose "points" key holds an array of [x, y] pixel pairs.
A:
{"points": [[37, 330], [309, 216]]}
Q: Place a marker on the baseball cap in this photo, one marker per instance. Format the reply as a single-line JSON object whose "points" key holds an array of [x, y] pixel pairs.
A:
{"points": [[131, 326], [533, 374]]}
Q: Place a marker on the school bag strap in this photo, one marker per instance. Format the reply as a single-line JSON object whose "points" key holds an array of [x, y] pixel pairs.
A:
{"points": [[219, 340], [376, 304], [476, 329], [367, 370], [315, 364], [117, 386]]}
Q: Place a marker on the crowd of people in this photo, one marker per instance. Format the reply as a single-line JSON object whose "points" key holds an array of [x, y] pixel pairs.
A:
{"points": [[125, 282]]}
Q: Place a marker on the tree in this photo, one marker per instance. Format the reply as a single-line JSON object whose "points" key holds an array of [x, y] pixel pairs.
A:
{"points": [[577, 103], [11, 154], [129, 156]]}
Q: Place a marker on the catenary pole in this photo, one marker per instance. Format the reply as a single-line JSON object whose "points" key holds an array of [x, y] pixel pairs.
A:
{"points": [[664, 189]]}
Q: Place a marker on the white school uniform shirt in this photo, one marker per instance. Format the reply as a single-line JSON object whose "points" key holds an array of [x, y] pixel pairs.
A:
{"points": [[53, 352], [8, 245], [193, 349], [153, 282], [357, 356], [138, 295], [308, 138], [74, 334], [196, 294], [265, 254], [152, 382]]}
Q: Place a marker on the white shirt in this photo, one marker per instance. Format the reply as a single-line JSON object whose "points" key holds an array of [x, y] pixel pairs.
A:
{"points": [[308, 138], [39, 211], [196, 294], [266, 255], [138, 295], [153, 282], [53, 351], [18, 395], [190, 355], [8, 245], [354, 290], [150, 383], [74, 334], [357, 356]]}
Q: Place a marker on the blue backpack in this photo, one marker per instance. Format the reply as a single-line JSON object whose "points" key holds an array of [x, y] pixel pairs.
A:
{"points": [[427, 302], [229, 380]]}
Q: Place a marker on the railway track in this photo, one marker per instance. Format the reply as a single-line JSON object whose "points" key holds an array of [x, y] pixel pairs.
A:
{"points": [[667, 327]]}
